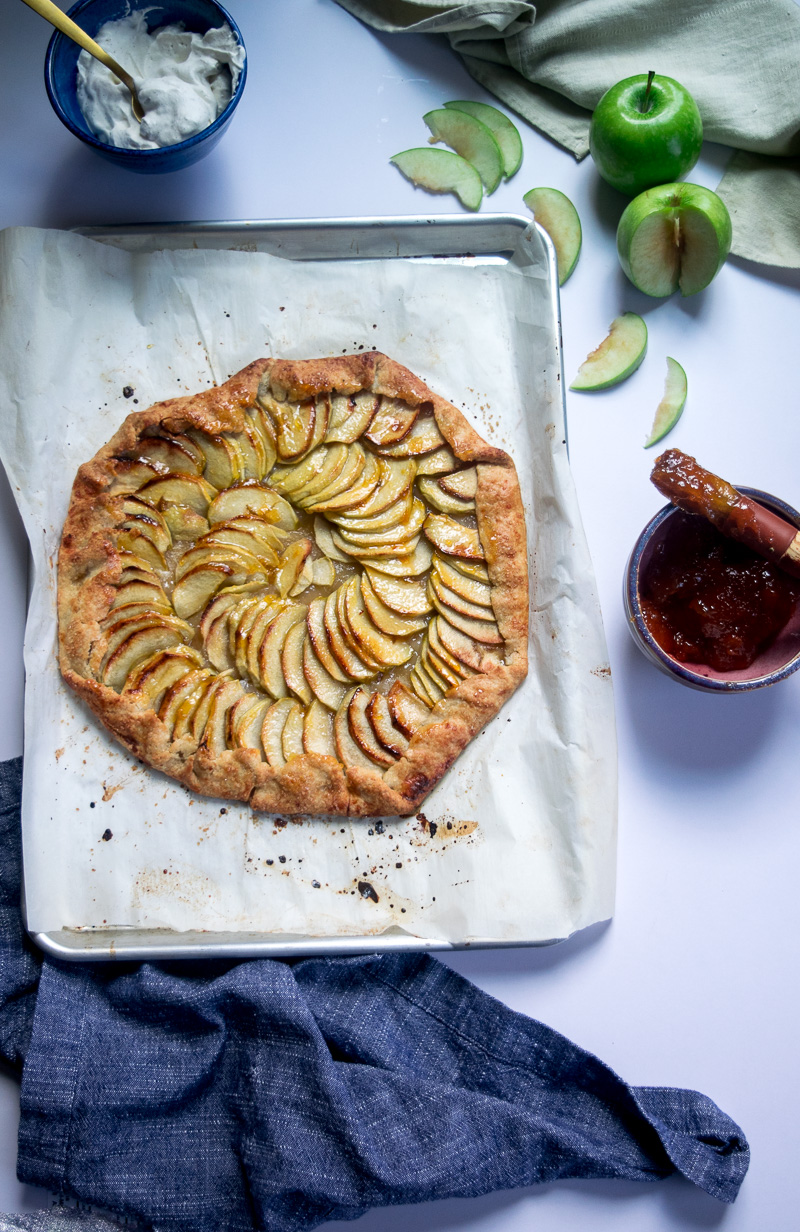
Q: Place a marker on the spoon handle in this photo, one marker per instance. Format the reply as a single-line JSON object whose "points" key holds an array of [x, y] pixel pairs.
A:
{"points": [[52, 13]]}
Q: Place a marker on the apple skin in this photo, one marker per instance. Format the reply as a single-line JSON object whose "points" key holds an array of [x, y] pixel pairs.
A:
{"points": [[697, 211], [635, 150]]}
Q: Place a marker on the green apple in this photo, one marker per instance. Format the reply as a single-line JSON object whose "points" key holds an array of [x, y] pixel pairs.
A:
{"points": [[670, 408], [558, 216], [646, 130], [617, 356], [504, 132], [677, 235], [471, 139], [440, 171]]}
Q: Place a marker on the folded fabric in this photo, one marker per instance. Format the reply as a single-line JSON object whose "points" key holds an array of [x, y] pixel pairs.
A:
{"points": [[552, 61], [277, 1096]]}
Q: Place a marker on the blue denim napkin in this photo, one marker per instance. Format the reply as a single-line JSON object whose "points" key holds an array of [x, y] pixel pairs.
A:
{"points": [[275, 1095]]}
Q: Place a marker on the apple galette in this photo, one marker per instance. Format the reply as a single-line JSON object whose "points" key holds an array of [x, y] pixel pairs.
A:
{"points": [[306, 589]]}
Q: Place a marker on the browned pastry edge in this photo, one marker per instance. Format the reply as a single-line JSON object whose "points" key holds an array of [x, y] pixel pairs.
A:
{"points": [[89, 565]]}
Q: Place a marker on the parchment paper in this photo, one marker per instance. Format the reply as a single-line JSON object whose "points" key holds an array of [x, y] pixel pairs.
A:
{"points": [[522, 840]]}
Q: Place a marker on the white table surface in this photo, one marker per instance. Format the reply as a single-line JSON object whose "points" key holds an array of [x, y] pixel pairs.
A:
{"points": [[694, 983]]}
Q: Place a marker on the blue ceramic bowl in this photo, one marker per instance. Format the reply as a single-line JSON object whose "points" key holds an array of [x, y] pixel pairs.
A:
{"points": [[775, 663], [61, 74]]}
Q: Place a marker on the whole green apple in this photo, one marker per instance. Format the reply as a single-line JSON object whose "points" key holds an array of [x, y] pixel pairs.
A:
{"points": [[675, 235], [646, 130]]}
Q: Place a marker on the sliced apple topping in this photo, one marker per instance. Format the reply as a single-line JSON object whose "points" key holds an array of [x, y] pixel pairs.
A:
{"points": [[423, 437], [141, 546], [217, 644], [386, 733], [131, 473], [177, 454], [404, 597], [315, 622], [270, 650], [291, 565], [224, 459], [439, 462], [183, 726], [140, 591], [383, 617], [294, 423], [292, 662], [347, 750], [456, 602], [471, 589], [129, 611], [245, 720], [349, 662], [349, 498], [254, 500], [292, 734], [197, 586], [323, 534], [149, 680], [441, 675], [191, 490], [323, 685], [484, 631], [425, 688], [318, 731], [122, 627], [214, 737], [272, 730], [413, 565], [396, 536], [362, 733], [441, 652], [183, 521], [381, 648], [409, 714], [470, 568], [243, 539], [343, 480], [241, 624], [477, 656], [441, 500], [255, 636], [182, 691], [390, 499], [391, 422], [463, 483], [453, 538], [138, 645], [322, 572]]}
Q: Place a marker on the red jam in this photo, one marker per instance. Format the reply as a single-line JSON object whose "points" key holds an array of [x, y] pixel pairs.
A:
{"points": [[707, 599]]}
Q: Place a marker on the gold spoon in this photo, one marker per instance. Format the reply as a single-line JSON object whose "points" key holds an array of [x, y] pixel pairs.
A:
{"points": [[50, 12]]}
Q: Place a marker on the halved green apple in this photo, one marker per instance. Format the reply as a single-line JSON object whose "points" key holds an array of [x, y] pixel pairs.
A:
{"points": [[674, 236], [470, 138], [441, 171], [618, 355], [670, 408], [557, 215], [504, 132]]}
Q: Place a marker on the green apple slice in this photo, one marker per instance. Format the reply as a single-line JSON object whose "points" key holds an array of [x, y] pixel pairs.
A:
{"points": [[556, 213], [504, 132], [471, 139], [670, 408], [617, 356], [440, 171]]}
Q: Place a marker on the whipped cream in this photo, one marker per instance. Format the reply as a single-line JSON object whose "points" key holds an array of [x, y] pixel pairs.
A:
{"points": [[184, 82]]}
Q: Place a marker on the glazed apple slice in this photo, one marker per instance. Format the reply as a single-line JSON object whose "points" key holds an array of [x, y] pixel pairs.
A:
{"points": [[130, 474], [253, 454], [439, 649], [322, 414], [362, 733], [291, 565], [133, 569], [197, 586], [440, 171], [292, 662], [404, 597], [255, 636], [293, 478], [191, 490], [425, 688], [294, 424], [411, 566], [217, 644], [475, 655], [141, 546], [183, 521], [315, 622], [368, 481], [423, 438], [241, 621], [187, 686], [456, 602], [186, 706], [253, 499], [349, 662], [348, 752], [214, 739], [381, 648], [344, 481], [398, 534], [438, 462], [438, 669], [318, 731], [132, 611], [409, 714], [322, 572], [504, 132], [122, 627], [292, 734], [670, 408], [262, 428], [359, 649], [350, 417], [224, 462], [334, 464], [272, 730], [224, 600], [470, 568], [244, 540], [381, 551], [383, 617], [469, 137], [453, 538], [484, 631], [471, 589], [264, 532], [556, 214], [322, 684], [138, 645], [269, 651], [441, 500], [149, 680], [617, 357], [140, 591], [391, 422], [177, 454], [244, 565], [323, 535], [388, 736], [462, 483], [245, 720], [390, 497], [199, 716]]}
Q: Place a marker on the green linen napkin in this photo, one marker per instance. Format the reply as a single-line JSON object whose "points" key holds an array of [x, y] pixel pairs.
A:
{"points": [[550, 62]]}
